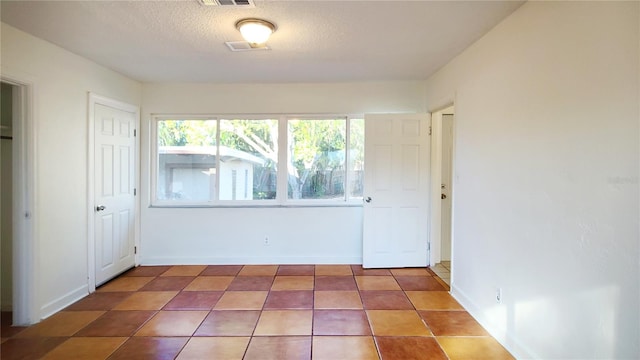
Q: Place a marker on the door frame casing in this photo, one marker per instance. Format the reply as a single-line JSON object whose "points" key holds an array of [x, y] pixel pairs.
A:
{"points": [[25, 252], [91, 235]]}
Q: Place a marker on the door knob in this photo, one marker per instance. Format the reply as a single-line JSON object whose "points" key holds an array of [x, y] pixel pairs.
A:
{"points": [[443, 196], [368, 199], [100, 208]]}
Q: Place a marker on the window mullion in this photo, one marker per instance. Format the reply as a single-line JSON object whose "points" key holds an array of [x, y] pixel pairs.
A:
{"points": [[283, 161], [216, 196], [347, 157]]}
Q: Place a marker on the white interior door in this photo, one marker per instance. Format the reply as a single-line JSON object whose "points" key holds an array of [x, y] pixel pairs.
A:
{"points": [[396, 185], [114, 191], [447, 159]]}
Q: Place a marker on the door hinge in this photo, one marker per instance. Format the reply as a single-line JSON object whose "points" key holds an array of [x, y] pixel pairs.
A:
{"points": [[429, 246], [135, 250], [134, 132], [429, 130], [134, 192]]}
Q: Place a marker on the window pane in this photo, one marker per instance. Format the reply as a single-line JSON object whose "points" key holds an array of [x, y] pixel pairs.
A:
{"points": [[186, 160], [316, 168], [356, 157], [248, 159]]}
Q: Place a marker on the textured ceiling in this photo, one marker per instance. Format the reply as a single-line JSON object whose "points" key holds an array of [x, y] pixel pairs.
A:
{"points": [[316, 41]]}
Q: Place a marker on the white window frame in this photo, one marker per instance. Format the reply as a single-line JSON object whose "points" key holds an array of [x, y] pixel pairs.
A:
{"points": [[281, 199]]}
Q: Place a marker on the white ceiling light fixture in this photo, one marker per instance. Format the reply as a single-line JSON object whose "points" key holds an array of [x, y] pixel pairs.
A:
{"points": [[256, 31]]}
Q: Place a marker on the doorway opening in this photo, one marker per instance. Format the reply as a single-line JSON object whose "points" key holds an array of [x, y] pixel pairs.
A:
{"points": [[442, 161], [6, 198], [16, 182]]}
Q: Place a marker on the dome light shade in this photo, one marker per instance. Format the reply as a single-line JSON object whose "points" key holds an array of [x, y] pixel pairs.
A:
{"points": [[255, 31]]}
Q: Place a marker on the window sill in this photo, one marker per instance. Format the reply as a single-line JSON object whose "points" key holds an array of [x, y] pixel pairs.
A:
{"points": [[357, 203]]}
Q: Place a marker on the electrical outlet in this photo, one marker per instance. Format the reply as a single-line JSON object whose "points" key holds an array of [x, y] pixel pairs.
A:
{"points": [[266, 241], [499, 295]]}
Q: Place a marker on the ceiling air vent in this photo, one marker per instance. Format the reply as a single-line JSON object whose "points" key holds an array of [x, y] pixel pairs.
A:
{"points": [[243, 46], [238, 3]]}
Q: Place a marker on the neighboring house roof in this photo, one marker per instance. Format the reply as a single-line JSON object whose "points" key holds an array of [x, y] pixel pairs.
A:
{"points": [[226, 153]]}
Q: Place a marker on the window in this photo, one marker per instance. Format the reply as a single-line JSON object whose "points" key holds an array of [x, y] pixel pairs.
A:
{"points": [[186, 160], [220, 161], [317, 153], [250, 147]]}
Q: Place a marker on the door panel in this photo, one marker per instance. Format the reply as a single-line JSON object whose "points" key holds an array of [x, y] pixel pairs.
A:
{"points": [[106, 225], [397, 153], [115, 201]]}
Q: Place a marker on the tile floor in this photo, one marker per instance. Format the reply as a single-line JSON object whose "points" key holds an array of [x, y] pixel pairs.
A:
{"points": [[259, 312], [443, 271]]}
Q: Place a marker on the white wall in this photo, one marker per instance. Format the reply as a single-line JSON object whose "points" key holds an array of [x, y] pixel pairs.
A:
{"points": [[61, 81], [546, 202], [236, 235]]}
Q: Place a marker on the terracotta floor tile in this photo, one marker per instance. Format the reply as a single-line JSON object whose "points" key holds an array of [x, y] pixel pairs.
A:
{"points": [[344, 348], [340, 322], [409, 348], [147, 300], [452, 323], [358, 270], [64, 323], [28, 348], [221, 270], [168, 283], [296, 270], [241, 300], [293, 283], [9, 331], [253, 283], [258, 270], [184, 270], [117, 323], [410, 272], [431, 271], [337, 300], [99, 301], [172, 323], [86, 348], [467, 348], [377, 283], [385, 300], [194, 300], [145, 348], [284, 322], [146, 271], [290, 299], [433, 300], [419, 283], [334, 270], [6, 325], [229, 323], [397, 323], [126, 283], [444, 282], [335, 283], [210, 283], [228, 348], [262, 312], [279, 348]]}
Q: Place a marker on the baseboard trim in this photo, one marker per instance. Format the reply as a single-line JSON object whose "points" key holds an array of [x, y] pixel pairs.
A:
{"points": [[64, 301], [506, 339], [280, 260]]}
